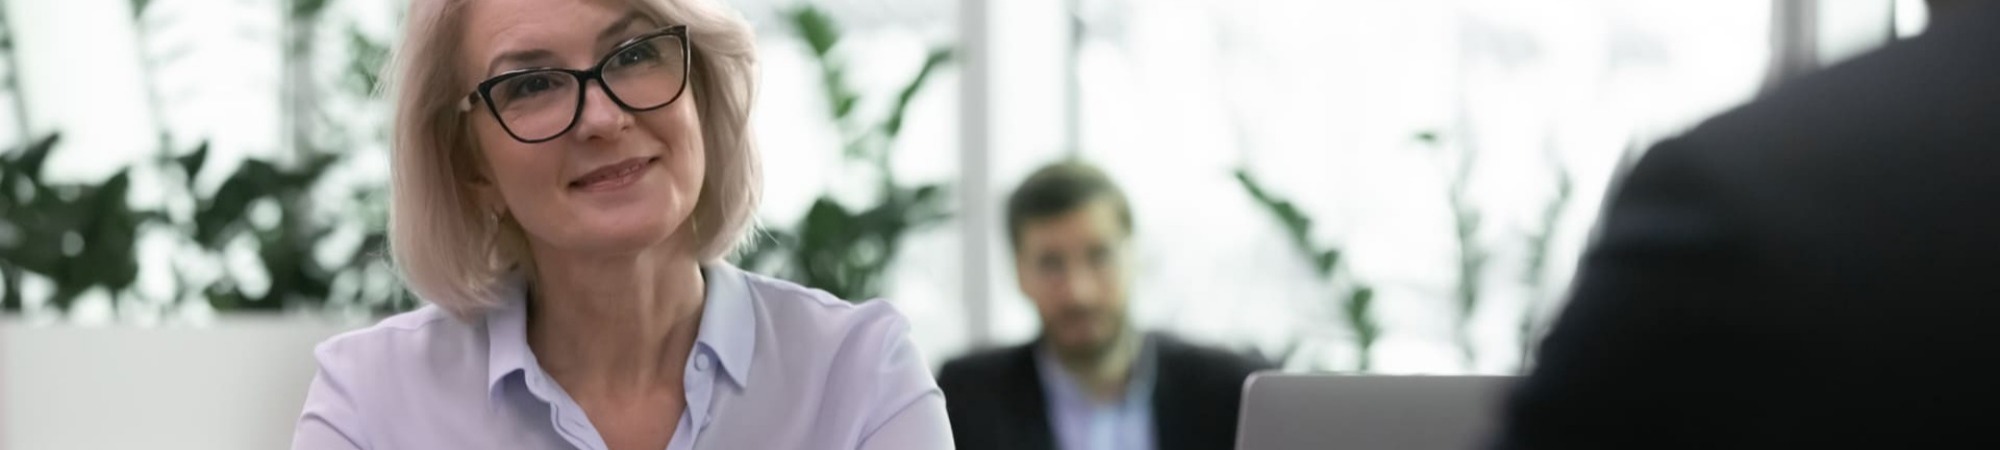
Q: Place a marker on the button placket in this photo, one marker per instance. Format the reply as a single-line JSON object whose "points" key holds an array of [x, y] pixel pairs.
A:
{"points": [[700, 390]]}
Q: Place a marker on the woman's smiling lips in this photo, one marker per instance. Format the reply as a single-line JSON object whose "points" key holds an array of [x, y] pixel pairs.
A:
{"points": [[613, 176]]}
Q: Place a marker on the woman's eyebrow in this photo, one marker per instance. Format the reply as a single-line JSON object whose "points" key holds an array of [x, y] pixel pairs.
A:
{"points": [[520, 57], [616, 29], [611, 32]]}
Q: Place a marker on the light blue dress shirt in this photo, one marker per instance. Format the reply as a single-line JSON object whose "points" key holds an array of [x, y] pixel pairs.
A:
{"points": [[775, 366], [1081, 422]]}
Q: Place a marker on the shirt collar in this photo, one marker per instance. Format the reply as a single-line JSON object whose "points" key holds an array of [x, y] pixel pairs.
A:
{"points": [[728, 326], [507, 332], [728, 322], [1061, 384]]}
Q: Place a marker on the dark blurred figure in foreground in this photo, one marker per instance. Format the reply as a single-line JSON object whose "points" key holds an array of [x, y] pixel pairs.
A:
{"points": [[1091, 381], [1818, 269]]}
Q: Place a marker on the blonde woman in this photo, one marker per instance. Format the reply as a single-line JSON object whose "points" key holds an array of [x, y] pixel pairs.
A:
{"points": [[568, 176]]}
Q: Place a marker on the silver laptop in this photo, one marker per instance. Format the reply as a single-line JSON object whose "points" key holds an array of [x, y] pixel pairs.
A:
{"points": [[1368, 412]]}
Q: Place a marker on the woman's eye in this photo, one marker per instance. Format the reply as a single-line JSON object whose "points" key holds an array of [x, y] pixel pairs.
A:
{"points": [[643, 54], [532, 85]]}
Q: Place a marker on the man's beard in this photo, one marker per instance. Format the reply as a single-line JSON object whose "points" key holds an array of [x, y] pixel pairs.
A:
{"points": [[1091, 353]]}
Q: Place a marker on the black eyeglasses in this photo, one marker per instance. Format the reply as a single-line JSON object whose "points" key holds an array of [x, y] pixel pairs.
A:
{"points": [[536, 105]]}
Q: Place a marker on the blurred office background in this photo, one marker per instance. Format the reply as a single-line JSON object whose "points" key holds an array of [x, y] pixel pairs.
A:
{"points": [[193, 190]]}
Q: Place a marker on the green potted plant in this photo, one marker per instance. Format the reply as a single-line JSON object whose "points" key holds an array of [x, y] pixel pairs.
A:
{"points": [[1355, 298], [234, 377], [847, 250]]}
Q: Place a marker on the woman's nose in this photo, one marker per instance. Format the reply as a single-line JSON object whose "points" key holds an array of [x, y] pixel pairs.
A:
{"points": [[600, 117]]}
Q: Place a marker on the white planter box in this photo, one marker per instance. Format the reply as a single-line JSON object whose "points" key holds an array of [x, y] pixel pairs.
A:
{"points": [[235, 384]]}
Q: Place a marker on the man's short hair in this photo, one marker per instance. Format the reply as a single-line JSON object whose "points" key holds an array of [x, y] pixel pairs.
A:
{"points": [[1058, 189]]}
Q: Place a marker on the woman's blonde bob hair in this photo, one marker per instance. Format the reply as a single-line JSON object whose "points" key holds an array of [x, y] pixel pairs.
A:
{"points": [[450, 249]]}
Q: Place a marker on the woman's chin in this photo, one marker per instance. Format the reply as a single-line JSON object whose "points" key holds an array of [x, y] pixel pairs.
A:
{"points": [[612, 236]]}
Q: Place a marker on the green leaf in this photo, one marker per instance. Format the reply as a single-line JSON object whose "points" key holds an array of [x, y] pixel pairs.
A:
{"points": [[928, 204], [290, 269], [1250, 184], [1296, 224], [816, 27], [191, 163], [111, 236], [224, 214], [1468, 222], [316, 165], [826, 235], [1360, 318], [893, 125], [765, 246], [371, 250], [1327, 261], [826, 222], [305, 9], [1360, 315], [1359, 303], [225, 297], [843, 103], [365, 68], [846, 251], [29, 161], [861, 148]]}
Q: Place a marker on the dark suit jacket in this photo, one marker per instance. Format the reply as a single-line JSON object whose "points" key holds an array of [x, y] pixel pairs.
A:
{"points": [[995, 398], [1817, 269]]}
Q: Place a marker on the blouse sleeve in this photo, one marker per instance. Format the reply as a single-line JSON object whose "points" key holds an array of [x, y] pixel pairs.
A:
{"points": [[329, 421], [910, 413]]}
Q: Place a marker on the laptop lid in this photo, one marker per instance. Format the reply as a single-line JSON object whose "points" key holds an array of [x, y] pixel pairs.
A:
{"points": [[1367, 412]]}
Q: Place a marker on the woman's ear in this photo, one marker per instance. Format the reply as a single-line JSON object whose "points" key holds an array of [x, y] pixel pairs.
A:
{"points": [[487, 195], [479, 181], [489, 198]]}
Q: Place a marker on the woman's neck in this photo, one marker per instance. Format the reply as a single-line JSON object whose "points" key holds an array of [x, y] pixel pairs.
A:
{"points": [[614, 326]]}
